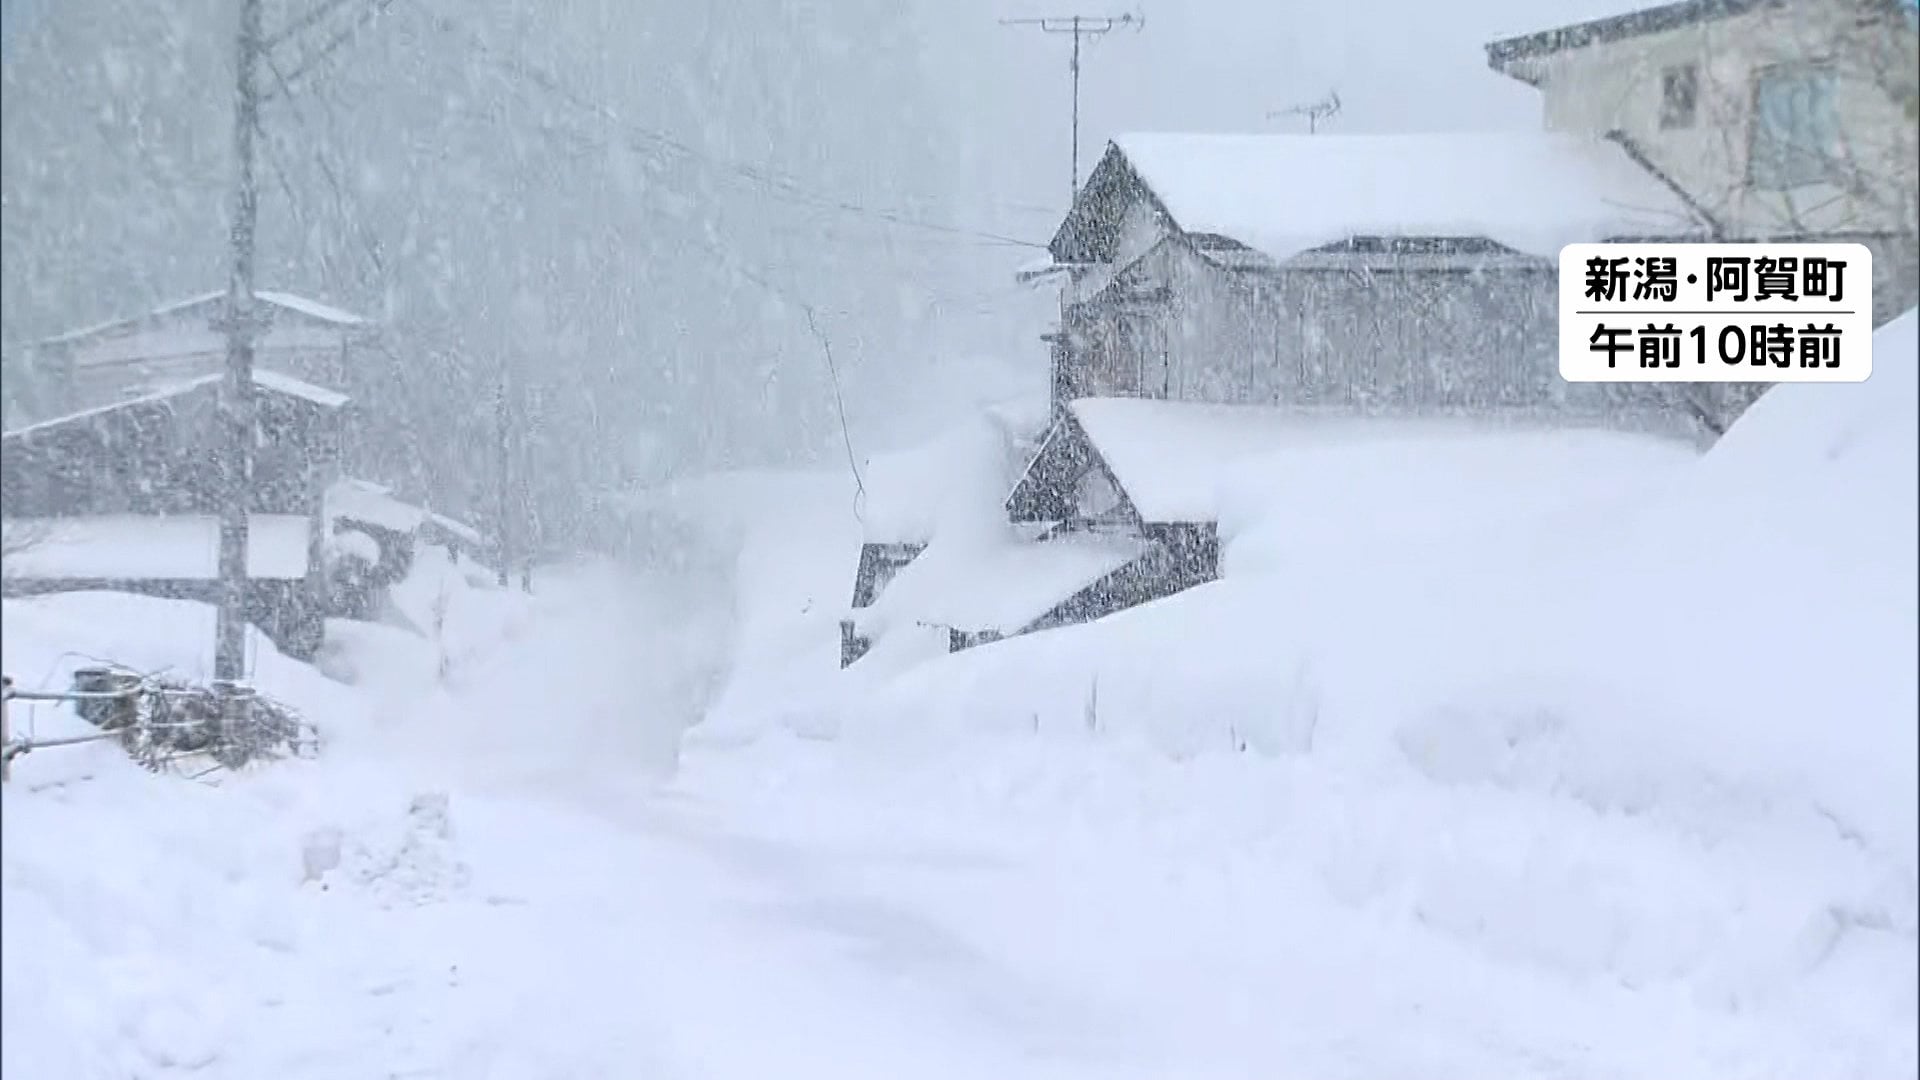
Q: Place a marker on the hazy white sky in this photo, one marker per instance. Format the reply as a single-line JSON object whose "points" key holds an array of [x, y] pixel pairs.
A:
{"points": [[1222, 65]]}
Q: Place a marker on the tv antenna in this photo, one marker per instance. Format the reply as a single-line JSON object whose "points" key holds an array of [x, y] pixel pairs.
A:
{"points": [[1325, 109], [1092, 26]]}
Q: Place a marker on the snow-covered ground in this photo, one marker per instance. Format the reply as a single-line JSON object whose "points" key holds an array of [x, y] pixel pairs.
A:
{"points": [[1566, 770]]}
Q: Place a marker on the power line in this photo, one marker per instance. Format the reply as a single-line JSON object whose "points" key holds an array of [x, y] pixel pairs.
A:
{"points": [[313, 15], [326, 171], [732, 263], [770, 183], [373, 11]]}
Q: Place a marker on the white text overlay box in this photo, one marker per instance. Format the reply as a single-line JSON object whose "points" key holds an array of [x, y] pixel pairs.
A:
{"points": [[1751, 312]]}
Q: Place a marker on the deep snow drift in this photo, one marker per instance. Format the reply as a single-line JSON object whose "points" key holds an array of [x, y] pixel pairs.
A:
{"points": [[1626, 717], [1595, 763]]}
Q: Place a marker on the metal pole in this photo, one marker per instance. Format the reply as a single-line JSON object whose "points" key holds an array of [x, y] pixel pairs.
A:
{"points": [[237, 396], [1079, 26], [1073, 192]]}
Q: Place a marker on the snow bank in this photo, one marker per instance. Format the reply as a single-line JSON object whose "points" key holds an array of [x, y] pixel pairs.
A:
{"points": [[48, 637], [457, 607], [794, 540], [951, 486], [1478, 493], [1591, 706], [1177, 460]]}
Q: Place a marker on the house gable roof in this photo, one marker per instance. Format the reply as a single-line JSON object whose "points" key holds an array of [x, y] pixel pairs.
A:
{"points": [[1090, 231], [1629, 24], [1505, 55], [1285, 195]]}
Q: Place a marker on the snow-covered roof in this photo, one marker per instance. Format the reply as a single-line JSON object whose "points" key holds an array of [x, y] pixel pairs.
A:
{"points": [[131, 547], [1001, 586], [1038, 269], [458, 528], [376, 504], [178, 342], [275, 381], [1283, 195], [953, 481], [1172, 457], [312, 309], [282, 383]]}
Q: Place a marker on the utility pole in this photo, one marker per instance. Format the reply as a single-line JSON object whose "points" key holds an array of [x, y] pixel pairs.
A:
{"points": [[1325, 109], [236, 390], [503, 469], [1079, 26]]}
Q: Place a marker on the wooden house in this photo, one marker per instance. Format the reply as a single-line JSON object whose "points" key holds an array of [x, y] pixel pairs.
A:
{"points": [[1225, 297], [126, 496], [1373, 273]]}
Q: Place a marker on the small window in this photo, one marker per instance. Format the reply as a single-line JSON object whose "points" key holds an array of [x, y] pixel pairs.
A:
{"points": [[1679, 96], [1796, 129]]}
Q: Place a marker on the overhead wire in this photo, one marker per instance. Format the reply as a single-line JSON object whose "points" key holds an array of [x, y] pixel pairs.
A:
{"points": [[771, 183], [373, 10]]}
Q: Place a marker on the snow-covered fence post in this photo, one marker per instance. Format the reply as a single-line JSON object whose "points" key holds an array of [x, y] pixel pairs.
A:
{"points": [[6, 728], [441, 600]]}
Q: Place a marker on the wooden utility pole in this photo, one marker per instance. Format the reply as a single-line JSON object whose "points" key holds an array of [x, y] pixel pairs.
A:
{"points": [[503, 469], [1079, 26], [237, 390]]}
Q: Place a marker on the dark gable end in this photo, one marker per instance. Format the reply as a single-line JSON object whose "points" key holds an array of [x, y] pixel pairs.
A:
{"points": [[1092, 226]]}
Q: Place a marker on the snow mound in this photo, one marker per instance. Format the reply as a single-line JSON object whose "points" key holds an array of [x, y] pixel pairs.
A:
{"points": [[950, 486], [48, 637], [1468, 491], [413, 863], [1608, 710]]}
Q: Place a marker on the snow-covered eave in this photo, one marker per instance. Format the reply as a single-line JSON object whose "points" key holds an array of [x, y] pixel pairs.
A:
{"points": [[1044, 270], [263, 378], [1019, 604], [455, 527], [1324, 252], [1331, 257], [314, 310]]}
